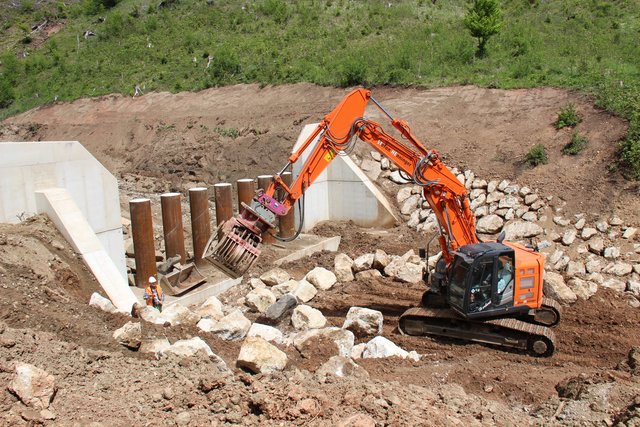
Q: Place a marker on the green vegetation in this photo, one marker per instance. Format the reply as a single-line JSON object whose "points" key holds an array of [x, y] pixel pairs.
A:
{"points": [[228, 132], [483, 20], [576, 145], [567, 116], [537, 155], [178, 45]]}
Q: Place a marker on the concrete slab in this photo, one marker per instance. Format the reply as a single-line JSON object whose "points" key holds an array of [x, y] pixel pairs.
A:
{"points": [[59, 205], [26, 167], [304, 246], [342, 192]]}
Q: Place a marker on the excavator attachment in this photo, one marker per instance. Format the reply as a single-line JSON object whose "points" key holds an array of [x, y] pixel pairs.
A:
{"points": [[235, 245]]}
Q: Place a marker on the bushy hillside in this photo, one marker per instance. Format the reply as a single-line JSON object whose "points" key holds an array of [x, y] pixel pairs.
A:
{"points": [[105, 46]]}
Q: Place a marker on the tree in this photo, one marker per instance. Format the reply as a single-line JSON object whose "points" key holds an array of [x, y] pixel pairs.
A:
{"points": [[483, 19]]}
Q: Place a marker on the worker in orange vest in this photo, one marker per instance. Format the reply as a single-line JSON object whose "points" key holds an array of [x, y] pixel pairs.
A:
{"points": [[153, 294]]}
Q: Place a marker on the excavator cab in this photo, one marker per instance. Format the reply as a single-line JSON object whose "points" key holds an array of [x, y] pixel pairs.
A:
{"points": [[481, 281]]}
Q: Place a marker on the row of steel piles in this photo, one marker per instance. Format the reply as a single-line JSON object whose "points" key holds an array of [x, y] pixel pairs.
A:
{"points": [[142, 223]]}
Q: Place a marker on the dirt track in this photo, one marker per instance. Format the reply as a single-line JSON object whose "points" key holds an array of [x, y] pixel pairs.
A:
{"points": [[163, 142]]}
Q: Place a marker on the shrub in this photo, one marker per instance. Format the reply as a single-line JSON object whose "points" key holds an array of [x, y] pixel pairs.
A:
{"points": [[6, 93], [537, 155], [228, 132], [483, 19], [352, 73], [630, 153], [576, 145], [567, 116]]}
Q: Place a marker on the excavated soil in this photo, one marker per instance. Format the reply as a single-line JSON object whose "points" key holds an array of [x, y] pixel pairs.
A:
{"points": [[162, 142]]}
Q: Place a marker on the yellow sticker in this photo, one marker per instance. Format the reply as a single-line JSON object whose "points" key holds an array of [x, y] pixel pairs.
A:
{"points": [[330, 155]]}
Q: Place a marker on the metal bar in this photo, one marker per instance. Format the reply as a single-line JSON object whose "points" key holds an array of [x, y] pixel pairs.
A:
{"points": [[263, 183], [172, 226], [200, 221], [143, 244], [246, 190], [287, 222], [224, 203]]}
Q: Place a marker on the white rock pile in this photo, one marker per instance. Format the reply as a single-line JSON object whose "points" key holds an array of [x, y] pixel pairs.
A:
{"points": [[585, 252]]}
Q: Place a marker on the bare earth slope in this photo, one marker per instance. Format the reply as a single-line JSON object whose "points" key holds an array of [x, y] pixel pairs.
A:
{"points": [[161, 141], [191, 135]]}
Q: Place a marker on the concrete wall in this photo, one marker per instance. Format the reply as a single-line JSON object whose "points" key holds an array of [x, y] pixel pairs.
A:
{"points": [[27, 167], [342, 192]]}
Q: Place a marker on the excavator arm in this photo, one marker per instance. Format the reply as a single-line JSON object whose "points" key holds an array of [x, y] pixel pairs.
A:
{"points": [[447, 197]]}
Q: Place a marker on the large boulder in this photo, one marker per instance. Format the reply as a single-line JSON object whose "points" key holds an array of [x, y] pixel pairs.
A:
{"points": [[305, 291], [285, 303], [343, 340], [232, 327], [275, 277], [187, 348], [130, 335], [363, 321], [341, 367], [259, 356], [489, 224], [321, 278], [154, 345], [211, 309], [410, 204], [266, 332], [177, 314], [368, 275], [305, 317], [33, 386], [380, 259], [381, 347], [404, 271], [342, 265], [521, 229], [556, 288], [288, 287], [588, 233], [260, 299], [102, 303], [618, 269], [363, 262], [582, 288], [615, 284], [151, 315], [612, 252]]}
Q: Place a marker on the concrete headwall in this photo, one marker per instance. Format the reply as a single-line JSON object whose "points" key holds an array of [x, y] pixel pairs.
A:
{"points": [[27, 167], [342, 192]]}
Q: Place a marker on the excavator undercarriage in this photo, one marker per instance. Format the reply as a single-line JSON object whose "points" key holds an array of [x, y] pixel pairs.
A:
{"points": [[508, 332], [530, 332]]}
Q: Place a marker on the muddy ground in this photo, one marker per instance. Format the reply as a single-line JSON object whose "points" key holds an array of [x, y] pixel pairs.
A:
{"points": [[163, 142]]}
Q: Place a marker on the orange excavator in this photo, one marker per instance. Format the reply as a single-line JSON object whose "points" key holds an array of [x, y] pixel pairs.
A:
{"points": [[489, 292]]}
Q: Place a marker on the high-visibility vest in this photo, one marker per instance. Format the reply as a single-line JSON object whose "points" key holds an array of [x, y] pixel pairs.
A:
{"points": [[149, 294]]}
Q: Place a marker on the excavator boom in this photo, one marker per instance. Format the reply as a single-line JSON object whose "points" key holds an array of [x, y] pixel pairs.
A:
{"points": [[446, 196]]}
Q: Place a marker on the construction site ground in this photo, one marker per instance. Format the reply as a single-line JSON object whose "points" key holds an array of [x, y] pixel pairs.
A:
{"points": [[163, 142]]}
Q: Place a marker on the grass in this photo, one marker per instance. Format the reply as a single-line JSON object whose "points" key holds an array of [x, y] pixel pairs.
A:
{"points": [[567, 117], [537, 155], [228, 132], [586, 45], [576, 145]]}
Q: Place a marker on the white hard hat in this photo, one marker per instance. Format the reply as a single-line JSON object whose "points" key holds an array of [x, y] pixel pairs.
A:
{"points": [[152, 279]]}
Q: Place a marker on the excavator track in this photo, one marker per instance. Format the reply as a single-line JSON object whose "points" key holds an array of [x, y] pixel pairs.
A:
{"points": [[513, 333], [548, 314]]}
